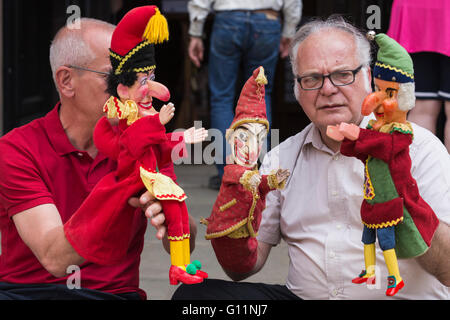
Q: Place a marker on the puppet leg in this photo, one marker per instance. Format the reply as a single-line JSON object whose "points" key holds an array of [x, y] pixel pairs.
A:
{"points": [[177, 272], [195, 266], [386, 238], [368, 275]]}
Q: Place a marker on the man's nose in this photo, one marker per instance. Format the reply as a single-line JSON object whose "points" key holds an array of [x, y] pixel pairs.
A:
{"points": [[328, 88], [158, 90]]}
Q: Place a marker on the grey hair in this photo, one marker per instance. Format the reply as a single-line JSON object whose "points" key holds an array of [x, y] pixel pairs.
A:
{"points": [[69, 46], [406, 96], [333, 22]]}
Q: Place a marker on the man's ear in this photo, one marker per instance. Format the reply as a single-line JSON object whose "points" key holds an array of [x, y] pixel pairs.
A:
{"points": [[64, 81], [122, 91]]}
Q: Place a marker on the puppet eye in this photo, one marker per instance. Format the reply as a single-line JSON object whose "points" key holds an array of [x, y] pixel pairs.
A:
{"points": [[243, 136], [390, 92]]}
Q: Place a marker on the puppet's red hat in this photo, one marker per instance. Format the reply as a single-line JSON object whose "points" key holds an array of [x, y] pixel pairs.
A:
{"points": [[251, 106], [132, 43]]}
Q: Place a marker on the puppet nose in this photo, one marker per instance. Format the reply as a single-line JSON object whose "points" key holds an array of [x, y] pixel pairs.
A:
{"points": [[158, 91], [371, 102]]}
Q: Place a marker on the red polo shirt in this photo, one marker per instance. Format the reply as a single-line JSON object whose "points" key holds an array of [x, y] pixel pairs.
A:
{"points": [[39, 165]]}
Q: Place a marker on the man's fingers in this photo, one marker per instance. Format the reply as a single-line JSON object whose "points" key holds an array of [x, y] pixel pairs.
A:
{"points": [[145, 198]]}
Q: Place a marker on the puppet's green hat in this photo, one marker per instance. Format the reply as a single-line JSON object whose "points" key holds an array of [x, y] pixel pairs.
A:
{"points": [[393, 61]]}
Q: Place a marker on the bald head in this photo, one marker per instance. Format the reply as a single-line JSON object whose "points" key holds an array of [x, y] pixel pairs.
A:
{"points": [[78, 47]]}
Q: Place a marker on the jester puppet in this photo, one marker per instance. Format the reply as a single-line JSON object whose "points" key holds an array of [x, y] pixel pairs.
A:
{"points": [[236, 214], [100, 230], [392, 210]]}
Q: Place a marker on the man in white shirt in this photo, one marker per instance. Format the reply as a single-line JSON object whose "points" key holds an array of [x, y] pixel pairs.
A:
{"points": [[246, 34], [318, 213]]}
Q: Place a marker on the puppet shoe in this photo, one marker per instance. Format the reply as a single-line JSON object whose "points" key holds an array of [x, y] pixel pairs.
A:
{"points": [[363, 278], [177, 274], [393, 286], [194, 268]]}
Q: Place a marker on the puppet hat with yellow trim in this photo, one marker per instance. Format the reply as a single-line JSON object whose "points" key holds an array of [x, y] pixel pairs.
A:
{"points": [[251, 106], [132, 44], [393, 61]]}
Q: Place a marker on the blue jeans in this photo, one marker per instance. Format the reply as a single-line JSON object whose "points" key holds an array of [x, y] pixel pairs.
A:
{"points": [[239, 38]]}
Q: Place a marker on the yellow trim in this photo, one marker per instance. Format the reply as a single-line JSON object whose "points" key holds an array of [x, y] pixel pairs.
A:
{"points": [[273, 183], [246, 120], [384, 224], [144, 69], [395, 69], [371, 189], [178, 238], [227, 205], [245, 179], [129, 55], [226, 231], [242, 232], [115, 55]]}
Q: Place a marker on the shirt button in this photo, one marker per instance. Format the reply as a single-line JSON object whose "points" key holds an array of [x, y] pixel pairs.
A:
{"points": [[339, 226], [332, 254], [335, 292], [80, 154], [336, 157]]}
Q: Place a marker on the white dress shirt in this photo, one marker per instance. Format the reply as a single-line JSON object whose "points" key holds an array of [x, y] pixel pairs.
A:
{"points": [[318, 215], [199, 10]]}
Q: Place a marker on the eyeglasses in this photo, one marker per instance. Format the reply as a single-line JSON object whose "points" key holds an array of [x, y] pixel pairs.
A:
{"points": [[86, 69], [338, 78]]}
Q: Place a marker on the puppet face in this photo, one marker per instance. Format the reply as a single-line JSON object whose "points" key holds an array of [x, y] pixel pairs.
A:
{"points": [[383, 103], [143, 91], [246, 142]]}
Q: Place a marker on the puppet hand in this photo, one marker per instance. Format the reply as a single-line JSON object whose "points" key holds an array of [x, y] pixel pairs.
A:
{"points": [[349, 131], [152, 210], [255, 180], [166, 113], [193, 135], [333, 133], [282, 174]]}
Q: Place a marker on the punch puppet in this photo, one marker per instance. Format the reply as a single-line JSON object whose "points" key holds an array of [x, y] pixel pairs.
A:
{"points": [[392, 209], [236, 214], [100, 231]]}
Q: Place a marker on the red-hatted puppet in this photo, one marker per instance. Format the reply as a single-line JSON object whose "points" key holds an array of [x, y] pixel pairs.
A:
{"points": [[236, 214], [100, 230], [392, 209]]}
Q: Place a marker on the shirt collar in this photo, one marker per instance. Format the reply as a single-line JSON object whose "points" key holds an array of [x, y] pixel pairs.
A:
{"points": [[56, 134]]}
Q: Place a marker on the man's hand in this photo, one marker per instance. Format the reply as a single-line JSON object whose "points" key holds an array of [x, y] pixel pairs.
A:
{"points": [[193, 135], [285, 44], [152, 210], [196, 50]]}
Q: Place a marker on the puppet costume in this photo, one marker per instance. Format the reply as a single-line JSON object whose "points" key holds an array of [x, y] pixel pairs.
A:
{"points": [[99, 230], [236, 214], [392, 209]]}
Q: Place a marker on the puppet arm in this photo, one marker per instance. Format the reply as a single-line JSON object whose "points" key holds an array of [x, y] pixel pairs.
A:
{"points": [[376, 144], [106, 139]]}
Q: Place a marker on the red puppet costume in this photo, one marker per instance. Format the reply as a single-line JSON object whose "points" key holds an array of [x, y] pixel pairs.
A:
{"points": [[236, 214], [100, 230]]}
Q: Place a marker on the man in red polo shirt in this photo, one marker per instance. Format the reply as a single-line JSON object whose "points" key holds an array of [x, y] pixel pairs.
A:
{"points": [[48, 167]]}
